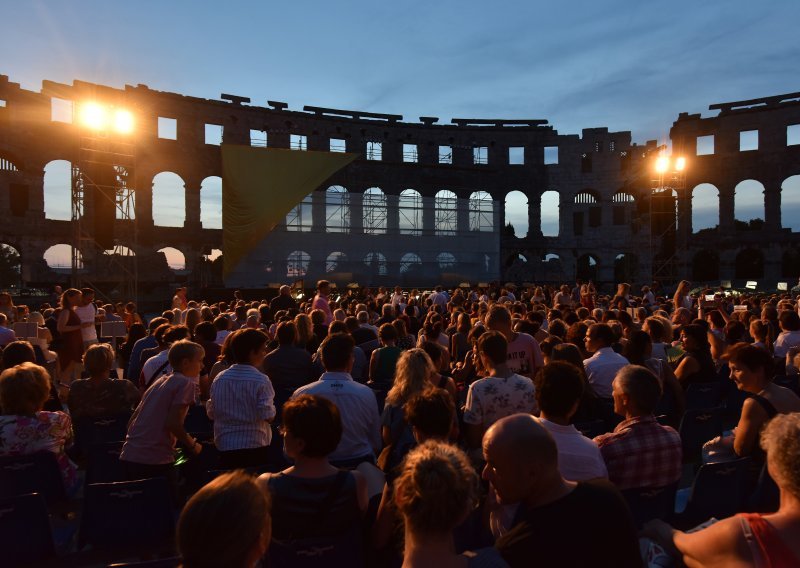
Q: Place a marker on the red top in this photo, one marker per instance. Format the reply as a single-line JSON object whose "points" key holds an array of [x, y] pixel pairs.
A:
{"points": [[773, 550]]}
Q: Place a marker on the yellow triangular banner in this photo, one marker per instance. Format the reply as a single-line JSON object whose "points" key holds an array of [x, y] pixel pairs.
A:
{"points": [[260, 186]]}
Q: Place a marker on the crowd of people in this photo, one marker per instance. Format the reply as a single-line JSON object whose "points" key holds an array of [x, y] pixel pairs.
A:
{"points": [[464, 427]]}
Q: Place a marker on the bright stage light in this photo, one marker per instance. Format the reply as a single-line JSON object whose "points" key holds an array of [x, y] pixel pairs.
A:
{"points": [[93, 116], [123, 121], [662, 163], [680, 164]]}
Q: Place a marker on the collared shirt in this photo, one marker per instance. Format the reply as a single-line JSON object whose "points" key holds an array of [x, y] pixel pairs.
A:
{"points": [[6, 336], [134, 365], [492, 398], [786, 340], [321, 303], [241, 404], [361, 424], [154, 367], [601, 368], [640, 452], [579, 458]]}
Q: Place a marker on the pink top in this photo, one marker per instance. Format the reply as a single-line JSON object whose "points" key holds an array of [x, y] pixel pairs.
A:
{"points": [[149, 441], [321, 303]]}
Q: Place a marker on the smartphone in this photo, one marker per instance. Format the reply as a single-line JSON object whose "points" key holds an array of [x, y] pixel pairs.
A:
{"points": [[709, 297]]}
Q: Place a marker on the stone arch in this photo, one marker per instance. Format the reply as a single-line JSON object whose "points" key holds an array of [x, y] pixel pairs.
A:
{"points": [[553, 267], [516, 213], [749, 264], [297, 264], [409, 263], [705, 266], [376, 264], [8, 164], [299, 218], [790, 263], [626, 267], [10, 266], [481, 212], [790, 203], [445, 205], [586, 267], [211, 202], [176, 259], [550, 213], [58, 190], [446, 261], [169, 200], [748, 204], [337, 209], [705, 207], [59, 257], [374, 211], [335, 262], [622, 196], [587, 197], [410, 212]]}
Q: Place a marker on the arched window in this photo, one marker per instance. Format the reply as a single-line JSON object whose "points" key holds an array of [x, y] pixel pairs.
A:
{"points": [[10, 267], [297, 264], [623, 197], [626, 267], [211, 202], [374, 211], [790, 203], [586, 197], [551, 211], [749, 202], [335, 262], [410, 212], [299, 218], [169, 200], [59, 257], [705, 207], [119, 250], [58, 190], [376, 264], [7, 165], [337, 210], [446, 261], [481, 212], [176, 260], [516, 213], [586, 268], [410, 262], [445, 204]]}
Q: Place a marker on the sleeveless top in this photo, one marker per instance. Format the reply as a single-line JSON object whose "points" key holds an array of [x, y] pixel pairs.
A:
{"points": [[71, 342], [766, 545], [298, 505]]}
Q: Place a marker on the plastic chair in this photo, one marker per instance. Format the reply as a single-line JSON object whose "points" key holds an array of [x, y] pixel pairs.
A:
{"points": [[130, 513], [25, 536], [719, 490], [104, 465], [172, 562], [698, 426], [703, 395], [197, 421], [766, 495], [648, 503], [34, 473], [100, 430], [339, 550]]}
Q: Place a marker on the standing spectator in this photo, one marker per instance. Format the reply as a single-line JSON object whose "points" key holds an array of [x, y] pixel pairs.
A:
{"points": [[789, 336], [283, 301], [288, 367], [99, 396], [87, 312], [383, 362], [242, 404], [179, 299], [70, 349], [7, 307], [602, 366], [640, 452], [148, 342], [361, 436], [7, 335], [321, 301], [524, 355]]}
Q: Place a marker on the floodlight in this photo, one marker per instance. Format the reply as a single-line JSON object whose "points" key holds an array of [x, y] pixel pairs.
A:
{"points": [[93, 116], [680, 164], [662, 163], [783, 286], [123, 121]]}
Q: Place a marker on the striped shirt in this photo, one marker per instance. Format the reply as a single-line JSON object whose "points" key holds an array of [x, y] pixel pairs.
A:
{"points": [[241, 406]]}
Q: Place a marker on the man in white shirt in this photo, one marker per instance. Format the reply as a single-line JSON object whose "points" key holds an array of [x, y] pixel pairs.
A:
{"points": [[361, 424], [559, 387], [602, 366], [648, 298], [524, 355], [87, 312]]}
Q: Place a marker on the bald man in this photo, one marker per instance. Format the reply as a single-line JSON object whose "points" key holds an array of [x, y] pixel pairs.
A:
{"points": [[559, 522]]}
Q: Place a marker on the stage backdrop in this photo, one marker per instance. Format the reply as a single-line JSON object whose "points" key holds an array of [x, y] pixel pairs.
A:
{"points": [[260, 186]]}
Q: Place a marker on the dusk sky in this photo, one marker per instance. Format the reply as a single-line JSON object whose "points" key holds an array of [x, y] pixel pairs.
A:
{"points": [[623, 65]]}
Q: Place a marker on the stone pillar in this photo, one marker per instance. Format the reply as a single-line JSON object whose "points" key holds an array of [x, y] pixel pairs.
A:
{"points": [[144, 199], [356, 212], [428, 216], [726, 209], [605, 268], [35, 181], [462, 215], [392, 214], [318, 212], [684, 217], [772, 206], [192, 196], [534, 216], [773, 260], [565, 229], [727, 265]]}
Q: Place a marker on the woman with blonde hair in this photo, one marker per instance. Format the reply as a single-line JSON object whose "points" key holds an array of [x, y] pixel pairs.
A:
{"points": [[193, 317], [7, 306], [682, 299], [305, 333], [413, 374]]}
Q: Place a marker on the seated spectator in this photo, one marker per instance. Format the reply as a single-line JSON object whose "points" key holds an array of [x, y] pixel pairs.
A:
{"points": [[789, 336], [383, 362], [405, 340], [312, 430], [639, 351], [437, 354], [288, 367], [223, 325], [18, 352], [640, 452], [242, 404], [148, 342], [602, 366], [99, 396], [157, 423], [524, 354], [559, 388], [226, 523], [502, 393], [365, 332], [434, 493], [750, 539], [205, 335], [25, 428], [159, 364], [361, 436], [697, 364], [561, 523], [7, 335]]}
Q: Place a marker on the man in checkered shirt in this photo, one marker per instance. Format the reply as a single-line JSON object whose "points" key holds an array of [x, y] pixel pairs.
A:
{"points": [[640, 452]]}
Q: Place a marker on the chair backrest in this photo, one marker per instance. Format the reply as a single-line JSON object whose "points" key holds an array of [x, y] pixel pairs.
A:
{"points": [[197, 421], [719, 490], [698, 426], [703, 395], [172, 562], [34, 473], [340, 550], [766, 496], [100, 430], [25, 535], [648, 503], [104, 465], [127, 513]]}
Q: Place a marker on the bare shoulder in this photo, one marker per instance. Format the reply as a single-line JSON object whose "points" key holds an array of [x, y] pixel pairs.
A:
{"points": [[721, 544]]}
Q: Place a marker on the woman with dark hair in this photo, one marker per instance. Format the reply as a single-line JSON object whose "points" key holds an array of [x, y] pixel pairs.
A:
{"points": [[438, 356], [459, 341], [405, 340], [639, 351], [383, 362], [696, 365], [576, 334], [312, 498], [70, 347]]}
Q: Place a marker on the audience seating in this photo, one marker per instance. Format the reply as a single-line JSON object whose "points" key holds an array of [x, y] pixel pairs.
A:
{"points": [[34, 473], [766, 495], [101, 430], [592, 428], [719, 490], [25, 536], [648, 503], [791, 382], [127, 514], [698, 426], [197, 421], [340, 550], [703, 395], [104, 465], [172, 562]]}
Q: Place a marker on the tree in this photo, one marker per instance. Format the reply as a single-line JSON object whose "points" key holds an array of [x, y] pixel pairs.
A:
{"points": [[10, 266]]}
